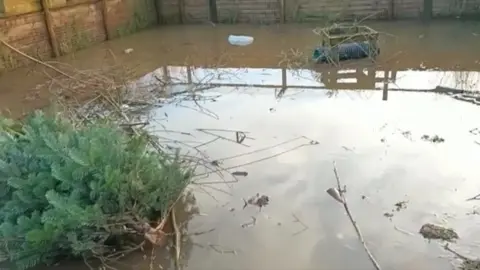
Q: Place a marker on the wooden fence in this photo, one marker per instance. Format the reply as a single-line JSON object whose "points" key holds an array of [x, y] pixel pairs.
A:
{"points": [[53, 29]]}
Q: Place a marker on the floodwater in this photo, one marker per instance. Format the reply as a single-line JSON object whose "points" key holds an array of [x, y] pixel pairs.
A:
{"points": [[379, 152], [369, 120], [445, 45]]}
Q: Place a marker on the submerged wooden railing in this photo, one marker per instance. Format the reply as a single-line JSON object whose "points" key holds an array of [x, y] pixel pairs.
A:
{"points": [[332, 80]]}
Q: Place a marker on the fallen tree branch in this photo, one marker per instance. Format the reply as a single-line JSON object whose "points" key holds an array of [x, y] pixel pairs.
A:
{"points": [[354, 223], [6, 44]]}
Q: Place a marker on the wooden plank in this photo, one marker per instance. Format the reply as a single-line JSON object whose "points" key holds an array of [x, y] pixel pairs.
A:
{"points": [[49, 24]]}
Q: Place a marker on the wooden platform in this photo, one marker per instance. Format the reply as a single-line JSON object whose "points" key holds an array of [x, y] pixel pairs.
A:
{"points": [[344, 33]]}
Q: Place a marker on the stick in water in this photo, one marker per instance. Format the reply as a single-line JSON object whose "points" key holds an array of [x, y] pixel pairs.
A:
{"points": [[354, 223]]}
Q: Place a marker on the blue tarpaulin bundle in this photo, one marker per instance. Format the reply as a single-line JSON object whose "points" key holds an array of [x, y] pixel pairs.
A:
{"points": [[346, 51]]}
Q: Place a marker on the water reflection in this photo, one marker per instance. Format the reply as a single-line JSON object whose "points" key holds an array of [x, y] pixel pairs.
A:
{"points": [[381, 158], [377, 146], [283, 80], [367, 139]]}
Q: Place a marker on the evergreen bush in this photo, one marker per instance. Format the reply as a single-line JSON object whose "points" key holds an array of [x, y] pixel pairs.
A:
{"points": [[78, 191]]}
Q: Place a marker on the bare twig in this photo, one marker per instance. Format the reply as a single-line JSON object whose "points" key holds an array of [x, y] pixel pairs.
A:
{"points": [[178, 239], [258, 160], [201, 233], [447, 248], [402, 230], [221, 250], [305, 227], [476, 197], [225, 138], [6, 44], [250, 223], [354, 223]]}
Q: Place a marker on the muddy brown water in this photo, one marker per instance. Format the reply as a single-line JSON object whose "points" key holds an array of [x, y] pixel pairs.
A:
{"points": [[373, 135]]}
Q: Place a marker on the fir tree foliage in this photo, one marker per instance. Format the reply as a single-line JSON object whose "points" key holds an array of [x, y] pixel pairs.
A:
{"points": [[71, 191]]}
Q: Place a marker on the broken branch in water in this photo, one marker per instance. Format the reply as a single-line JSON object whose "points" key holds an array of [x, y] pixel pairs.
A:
{"points": [[201, 233], [6, 44], [476, 197], [305, 227], [354, 223], [258, 160], [240, 136], [217, 248]]}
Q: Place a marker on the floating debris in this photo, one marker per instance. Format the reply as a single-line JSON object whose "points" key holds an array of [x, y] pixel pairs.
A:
{"points": [[240, 173], [401, 205], [240, 40], [388, 215], [470, 265], [398, 206], [433, 139], [335, 194], [257, 200], [250, 223], [240, 136], [407, 134], [431, 231]]}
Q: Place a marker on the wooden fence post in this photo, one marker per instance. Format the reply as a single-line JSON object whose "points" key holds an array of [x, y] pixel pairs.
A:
{"points": [[427, 9], [49, 24], [282, 10], [181, 10], [386, 80], [158, 10], [213, 13], [105, 19], [391, 10]]}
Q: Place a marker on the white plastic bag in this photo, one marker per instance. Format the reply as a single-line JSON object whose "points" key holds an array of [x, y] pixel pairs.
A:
{"points": [[240, 40]]}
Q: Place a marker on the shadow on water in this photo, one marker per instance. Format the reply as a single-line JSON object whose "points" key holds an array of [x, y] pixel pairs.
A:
{"points": [[276, 132]]}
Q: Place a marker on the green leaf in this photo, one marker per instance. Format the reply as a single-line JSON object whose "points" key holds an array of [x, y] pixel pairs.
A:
{"points": [[37, 236], [78, 157]]}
